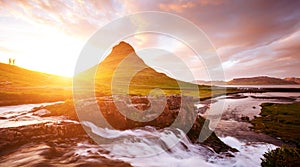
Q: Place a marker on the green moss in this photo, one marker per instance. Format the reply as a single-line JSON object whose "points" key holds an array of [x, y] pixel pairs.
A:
{"points": [[280, 120], [284, 156]]}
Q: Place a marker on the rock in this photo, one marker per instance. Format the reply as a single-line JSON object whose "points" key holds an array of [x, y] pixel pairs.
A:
{"points": [[15, 136], [165, 114], [42, 112], [245, 119]]}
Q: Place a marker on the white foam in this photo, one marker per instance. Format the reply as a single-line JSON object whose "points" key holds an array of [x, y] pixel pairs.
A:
{"points": [[150, 147], [24, 107]]}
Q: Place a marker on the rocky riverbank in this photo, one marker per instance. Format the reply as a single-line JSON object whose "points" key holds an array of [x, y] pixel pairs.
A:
{"points": [[159, 112], [55, 135], [167, 111]]}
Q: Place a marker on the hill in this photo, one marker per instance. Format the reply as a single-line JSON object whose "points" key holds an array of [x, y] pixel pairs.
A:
{"points": [[293, 79], [123, 68], [203, 82], [261, 80], [123, 72], [19, 86], [15, 76]]}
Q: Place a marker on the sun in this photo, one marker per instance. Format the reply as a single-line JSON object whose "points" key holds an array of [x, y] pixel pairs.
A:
{"points": [[53, 52]]}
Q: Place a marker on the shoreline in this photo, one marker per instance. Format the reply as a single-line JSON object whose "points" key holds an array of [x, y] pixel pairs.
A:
{"points": [[48, 143], [46, 99], [237, 116]]}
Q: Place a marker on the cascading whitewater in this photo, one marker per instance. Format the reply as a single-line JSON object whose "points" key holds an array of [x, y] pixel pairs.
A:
{"points": [[171, 147]]}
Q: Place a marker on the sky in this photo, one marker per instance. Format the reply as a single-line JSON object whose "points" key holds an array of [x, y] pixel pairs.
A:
{"points": [[251, 38]]}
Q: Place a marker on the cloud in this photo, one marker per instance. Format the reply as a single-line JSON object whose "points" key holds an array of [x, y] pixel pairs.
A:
{"points": [[279, 58], [245, 33], [80, 18], [181, 6], [178, 7], [252, 37]]}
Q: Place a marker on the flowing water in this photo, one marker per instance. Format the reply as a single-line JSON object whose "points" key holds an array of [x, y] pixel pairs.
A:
{"points": [[24, 107], [19, 115], [235, 107], [150, 147]]}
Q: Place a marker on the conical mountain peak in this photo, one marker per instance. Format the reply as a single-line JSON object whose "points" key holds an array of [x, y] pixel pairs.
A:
{"points": [[122, 48], [121, 63]]}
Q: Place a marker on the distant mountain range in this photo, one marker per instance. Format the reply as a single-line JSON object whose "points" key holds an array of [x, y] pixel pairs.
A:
{"points": [[296, 80], [123, 65], [260, 80]]}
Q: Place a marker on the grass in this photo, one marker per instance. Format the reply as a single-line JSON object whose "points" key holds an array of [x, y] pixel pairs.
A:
{"points": [[280, 120], [124, 67], [283, 156], [14, 76], [22, 86]]}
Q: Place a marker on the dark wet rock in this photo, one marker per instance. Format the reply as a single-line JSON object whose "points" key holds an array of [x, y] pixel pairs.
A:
{"points": [[236, 96], [245, 118], [16, 136], [200, 125], [61, 152], [140, 111], [275, 98], [177, 112], [50, 144]]}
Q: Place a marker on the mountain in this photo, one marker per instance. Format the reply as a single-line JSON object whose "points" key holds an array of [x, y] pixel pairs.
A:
{"points": [[123, 69], [261, 80], [293, 79], [19, 86], [202, 82]]}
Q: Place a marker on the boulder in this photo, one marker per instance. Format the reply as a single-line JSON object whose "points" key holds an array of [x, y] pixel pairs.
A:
{"points": [[171, 111]]}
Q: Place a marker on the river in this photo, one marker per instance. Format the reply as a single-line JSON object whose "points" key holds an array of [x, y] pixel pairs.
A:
{"points": [[148, 146]]}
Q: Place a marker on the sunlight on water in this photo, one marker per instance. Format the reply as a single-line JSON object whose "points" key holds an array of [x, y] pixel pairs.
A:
{"points": [[24, 107]]}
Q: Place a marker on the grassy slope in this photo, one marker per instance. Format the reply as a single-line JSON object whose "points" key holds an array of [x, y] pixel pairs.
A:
{"points": [[280, 120], [142, 82], [19, 86]]}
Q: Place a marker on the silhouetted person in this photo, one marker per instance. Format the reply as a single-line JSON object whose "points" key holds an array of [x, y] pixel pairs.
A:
{"points": [[9, 61], [13, 61]]}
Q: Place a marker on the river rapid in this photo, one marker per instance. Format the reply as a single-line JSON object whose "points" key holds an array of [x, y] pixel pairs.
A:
{"points": [[148, 146]]}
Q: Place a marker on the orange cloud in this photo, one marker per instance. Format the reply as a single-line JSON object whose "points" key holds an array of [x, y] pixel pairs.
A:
{"points": [[211, 2], [246, 33], [176, 7]]}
